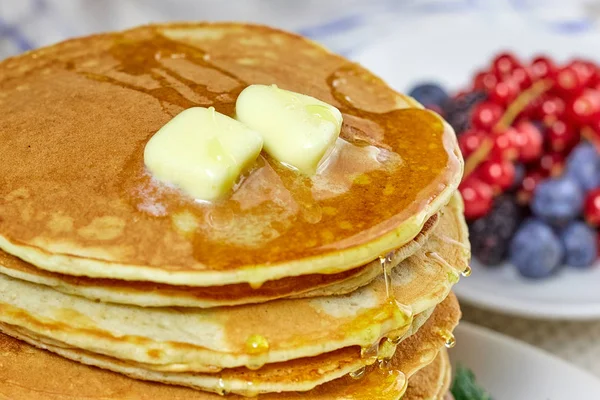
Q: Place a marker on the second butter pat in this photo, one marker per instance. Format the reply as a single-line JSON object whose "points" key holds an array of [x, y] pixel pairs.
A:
{"points": [[297, 130], [202, 152]]}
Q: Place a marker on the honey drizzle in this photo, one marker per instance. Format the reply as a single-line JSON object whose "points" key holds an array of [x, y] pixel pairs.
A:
{"points": [[451, 241], [146, 58], [439, 259], [449, 339], [257, 346]]}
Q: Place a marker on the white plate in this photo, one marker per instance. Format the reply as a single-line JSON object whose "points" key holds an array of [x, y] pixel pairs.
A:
{"points": [[512, 370], [448, 48], [571, 294]]}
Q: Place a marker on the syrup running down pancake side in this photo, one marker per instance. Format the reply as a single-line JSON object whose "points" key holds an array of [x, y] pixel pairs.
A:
{"points": [[76, 199]]}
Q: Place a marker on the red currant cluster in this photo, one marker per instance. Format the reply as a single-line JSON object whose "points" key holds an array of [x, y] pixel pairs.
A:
{"points": [[530, 136], [567, 104]]}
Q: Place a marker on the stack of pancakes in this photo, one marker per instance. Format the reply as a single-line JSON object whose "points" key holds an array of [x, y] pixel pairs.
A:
{"points": [[335, 286]]}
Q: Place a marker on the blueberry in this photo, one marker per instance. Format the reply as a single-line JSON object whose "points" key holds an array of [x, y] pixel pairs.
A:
{"points": [[458, 111], [429, 94], [580, 243], [584, 166], [490, 235], [535, 250], [558, 201]]}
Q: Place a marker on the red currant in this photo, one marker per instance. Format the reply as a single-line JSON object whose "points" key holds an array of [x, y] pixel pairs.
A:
{"points": [[485, 115], [551, 109], [522, 77], [527, 188], [470, 141], [585, 107], [561, 136], [477, 196], [504, 145], [585, 69], [504, 64], [500, 174], [568, 82], [485, 81], [592, 207], [528, 141], [541, 68], [552, 164], [504, 92]]}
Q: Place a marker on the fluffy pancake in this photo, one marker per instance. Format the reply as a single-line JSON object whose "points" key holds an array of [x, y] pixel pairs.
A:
{"points": [[76, 199], [148, 294], [413, 354], [432, 382], [191, 339]]}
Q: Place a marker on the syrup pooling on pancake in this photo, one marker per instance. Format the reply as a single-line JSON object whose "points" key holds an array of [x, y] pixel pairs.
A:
{"points": [[154, 227]]}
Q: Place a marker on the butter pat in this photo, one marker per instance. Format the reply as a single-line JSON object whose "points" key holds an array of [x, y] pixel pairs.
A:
{"points": [[297, 130], [202, 152]]}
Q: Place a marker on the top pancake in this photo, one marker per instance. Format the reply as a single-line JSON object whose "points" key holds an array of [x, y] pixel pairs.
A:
{"points": [[75, 197]]}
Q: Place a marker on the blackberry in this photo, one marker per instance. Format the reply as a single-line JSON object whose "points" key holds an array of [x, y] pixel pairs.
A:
{"points": [[458, 111], [491, 234]]}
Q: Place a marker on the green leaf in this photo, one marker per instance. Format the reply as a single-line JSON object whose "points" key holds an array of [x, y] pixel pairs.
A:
{"points": [[465, 387]]}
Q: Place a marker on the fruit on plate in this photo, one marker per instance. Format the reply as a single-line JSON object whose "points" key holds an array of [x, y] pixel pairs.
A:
{"points": [[530, 136]]}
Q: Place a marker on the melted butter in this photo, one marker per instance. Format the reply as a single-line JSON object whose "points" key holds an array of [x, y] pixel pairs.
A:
{"points": [[393, 144]]}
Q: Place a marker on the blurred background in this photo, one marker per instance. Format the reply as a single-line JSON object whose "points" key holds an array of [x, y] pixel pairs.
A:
{"points": [[445, 43]]}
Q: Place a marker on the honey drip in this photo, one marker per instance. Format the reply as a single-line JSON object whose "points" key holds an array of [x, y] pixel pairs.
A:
{"points": [[439, 259], [449, 339], [467, 271], [222, 388], [359, 373], [370, 354], [385, 263], [453, 242], [257, 347]]}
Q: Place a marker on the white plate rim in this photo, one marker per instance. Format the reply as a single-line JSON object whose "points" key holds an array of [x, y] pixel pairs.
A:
{"points": [[499, 340]]}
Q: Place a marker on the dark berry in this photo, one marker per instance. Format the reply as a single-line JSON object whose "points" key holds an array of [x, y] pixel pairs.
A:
{"points": [[458, 111], [491, 234], [429, 94]]}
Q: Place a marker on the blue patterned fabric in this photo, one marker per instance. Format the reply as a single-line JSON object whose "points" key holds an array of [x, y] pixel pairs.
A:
{"points": [[345, 26]]}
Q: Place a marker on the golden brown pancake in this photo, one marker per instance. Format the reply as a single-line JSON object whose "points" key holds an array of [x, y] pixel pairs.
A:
{"points": [[432, 382], [26, 372], [75, 197], [208, 340], [162, 295]]}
